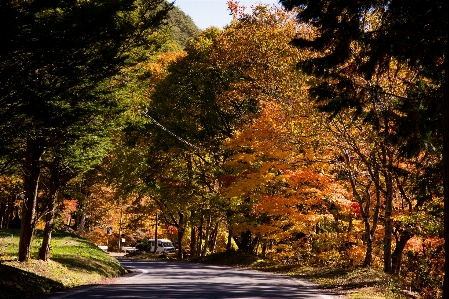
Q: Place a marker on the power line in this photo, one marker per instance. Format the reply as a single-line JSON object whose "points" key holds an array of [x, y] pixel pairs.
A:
{"points": [[170, 132]]}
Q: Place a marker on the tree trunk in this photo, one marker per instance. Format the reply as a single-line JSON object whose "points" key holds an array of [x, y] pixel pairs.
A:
{"points": [[81, 222], [213, 241], [207, 235], [264, 249], [388, 268], [44, 251], [200, 236], [3, 214], [445, 113], [388, 237], [229, 242], [34, 152], [10, 212], [245, 242], [156, 233], [364, 201], [192, 235], [396, 257], [181, 231], [369, 248]]}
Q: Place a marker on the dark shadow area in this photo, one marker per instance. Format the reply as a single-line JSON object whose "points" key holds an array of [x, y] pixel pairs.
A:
{"points": [[186, 290], [18, 284], [5, 232], [232, 258]]}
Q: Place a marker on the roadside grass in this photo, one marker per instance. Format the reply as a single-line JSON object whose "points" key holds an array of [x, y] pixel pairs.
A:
{"points": [[74, 261], [357, 283]]}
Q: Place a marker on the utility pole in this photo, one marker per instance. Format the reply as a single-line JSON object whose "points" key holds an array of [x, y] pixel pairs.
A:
{"points": [[155, 234], [120, 230]]}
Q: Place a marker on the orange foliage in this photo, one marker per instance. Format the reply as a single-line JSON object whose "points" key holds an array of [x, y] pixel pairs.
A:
{"points": [[235, 8], [158, 68], [68, 206]]}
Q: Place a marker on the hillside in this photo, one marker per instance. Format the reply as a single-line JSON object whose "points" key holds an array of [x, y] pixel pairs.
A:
{"points": [[182, 26], [74, 261]]}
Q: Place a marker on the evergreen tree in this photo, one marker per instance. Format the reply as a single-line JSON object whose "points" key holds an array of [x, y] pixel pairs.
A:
{"points": [[55, 60]]}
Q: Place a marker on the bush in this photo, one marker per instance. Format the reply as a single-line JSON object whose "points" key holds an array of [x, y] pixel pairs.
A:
{"points": [[423, 269], [143, 245]]}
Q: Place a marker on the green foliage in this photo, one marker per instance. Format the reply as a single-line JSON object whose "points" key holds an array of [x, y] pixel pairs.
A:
{"points": [[182, 27], [55, 92], [56, 62], [144, 245], [187, 98]]}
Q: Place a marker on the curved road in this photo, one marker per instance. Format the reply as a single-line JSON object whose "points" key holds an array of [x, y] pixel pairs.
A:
{"points": [[175, 280]]}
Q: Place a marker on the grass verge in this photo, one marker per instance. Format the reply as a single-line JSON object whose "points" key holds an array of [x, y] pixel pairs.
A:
{"points": [[355, 283], [74, 261]]}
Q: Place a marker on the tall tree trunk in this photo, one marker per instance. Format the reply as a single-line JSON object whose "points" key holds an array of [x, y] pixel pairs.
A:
{"points": [[445, 113], [192, 235], [364, 201], [81, 221], [200, 235], [156, 233], [34, 152], [396, 257], [369, 247], [181, 231], [44, 251], [387, 166], [10, 212], [3, 214], [264, 249], [207, 235], [229, 242], [213, 241]]}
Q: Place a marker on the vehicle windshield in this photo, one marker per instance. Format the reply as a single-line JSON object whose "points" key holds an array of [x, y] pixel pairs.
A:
{"points": [[167, 244]]}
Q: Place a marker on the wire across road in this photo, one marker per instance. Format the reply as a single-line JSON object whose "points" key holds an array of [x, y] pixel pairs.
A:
{"points": [[177, 280]]}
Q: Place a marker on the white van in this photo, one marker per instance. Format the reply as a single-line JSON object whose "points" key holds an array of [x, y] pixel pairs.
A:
{"points": [[163, 246]]}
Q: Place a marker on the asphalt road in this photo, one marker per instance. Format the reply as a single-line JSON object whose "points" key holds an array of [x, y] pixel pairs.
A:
{"points": [[176, 280]]}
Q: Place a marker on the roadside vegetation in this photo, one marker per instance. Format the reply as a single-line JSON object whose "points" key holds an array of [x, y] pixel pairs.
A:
{"points": [[75, 261]]}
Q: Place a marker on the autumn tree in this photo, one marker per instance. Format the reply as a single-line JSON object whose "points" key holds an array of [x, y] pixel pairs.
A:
{"points": [[247, 73], [382, 33], [282, 137], [187, 128]]}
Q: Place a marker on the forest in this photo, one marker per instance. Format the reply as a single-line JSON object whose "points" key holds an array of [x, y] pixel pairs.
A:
{"points": [[312, 132]]}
